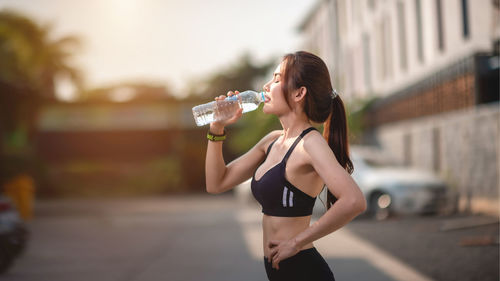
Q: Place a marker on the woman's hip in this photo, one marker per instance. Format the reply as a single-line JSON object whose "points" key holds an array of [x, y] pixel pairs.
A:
{"points": [[307, 264]]}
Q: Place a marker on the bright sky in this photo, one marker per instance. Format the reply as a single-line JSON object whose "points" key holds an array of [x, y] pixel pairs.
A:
{"points": [[168, 41]]}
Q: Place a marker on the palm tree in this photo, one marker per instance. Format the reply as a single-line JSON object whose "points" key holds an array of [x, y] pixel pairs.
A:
{"points": [[31, 60]]}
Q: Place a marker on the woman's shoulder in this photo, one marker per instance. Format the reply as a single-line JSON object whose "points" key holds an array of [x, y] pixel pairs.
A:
{"points": [[314, 137], [271, 136], [267, 139], [274, 134], [314, 142]]}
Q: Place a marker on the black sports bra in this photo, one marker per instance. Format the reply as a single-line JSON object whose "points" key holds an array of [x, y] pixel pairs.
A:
{"points": [[276, 194]]}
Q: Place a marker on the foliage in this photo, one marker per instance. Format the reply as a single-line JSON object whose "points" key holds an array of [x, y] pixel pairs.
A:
{"points": [[87, 178], [240, 76], [15, 165], [31, 59], [356, 111], [251, 128]]}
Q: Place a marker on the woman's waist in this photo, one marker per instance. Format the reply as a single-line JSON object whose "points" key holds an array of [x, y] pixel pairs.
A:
{"points": [[276, 225], [284, 228]]}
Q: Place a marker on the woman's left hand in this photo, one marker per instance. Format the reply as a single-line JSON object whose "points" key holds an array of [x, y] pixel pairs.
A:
{"points": [[281, 250]]}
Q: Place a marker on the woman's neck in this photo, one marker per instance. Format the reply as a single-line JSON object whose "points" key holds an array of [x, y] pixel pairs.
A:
{"points": [[293, 125]]}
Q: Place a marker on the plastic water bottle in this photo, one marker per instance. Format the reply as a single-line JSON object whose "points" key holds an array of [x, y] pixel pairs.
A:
{"points": [[225, 109]]}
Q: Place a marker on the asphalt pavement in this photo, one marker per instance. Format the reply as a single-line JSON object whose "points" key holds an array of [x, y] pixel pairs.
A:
{"points": [[206, 237], [445, 248]]}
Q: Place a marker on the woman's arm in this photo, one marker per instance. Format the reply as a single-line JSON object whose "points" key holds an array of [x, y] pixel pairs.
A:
{"points": [[221, 178], [350, 200]]}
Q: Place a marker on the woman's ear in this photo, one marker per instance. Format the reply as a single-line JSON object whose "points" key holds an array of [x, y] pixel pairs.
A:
{"points": [[300, 95]]}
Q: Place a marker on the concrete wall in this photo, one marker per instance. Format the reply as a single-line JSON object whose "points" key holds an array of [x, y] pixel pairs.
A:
{"points": [[461, 146]]}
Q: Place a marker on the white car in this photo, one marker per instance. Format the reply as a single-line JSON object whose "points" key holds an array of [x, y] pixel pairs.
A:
{"points": [[397, 190]]}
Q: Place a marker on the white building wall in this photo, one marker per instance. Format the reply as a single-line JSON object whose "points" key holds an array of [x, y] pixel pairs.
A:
{"points": [[381, 25], [319, 34], [456, 46], [411, 37]]}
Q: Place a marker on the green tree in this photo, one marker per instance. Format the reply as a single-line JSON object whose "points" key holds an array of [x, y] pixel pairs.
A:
{"points": [[356, 114], [240, 76], [31, 60]]}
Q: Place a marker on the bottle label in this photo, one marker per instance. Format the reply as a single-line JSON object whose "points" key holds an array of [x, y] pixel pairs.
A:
{"points": [[233, 98]]}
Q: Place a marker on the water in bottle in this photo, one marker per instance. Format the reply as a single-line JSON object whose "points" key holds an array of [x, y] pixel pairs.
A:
{"points": [[225, 109]]}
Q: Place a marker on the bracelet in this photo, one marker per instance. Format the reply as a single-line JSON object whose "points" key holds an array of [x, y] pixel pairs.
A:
{"points": [[214, 137]]}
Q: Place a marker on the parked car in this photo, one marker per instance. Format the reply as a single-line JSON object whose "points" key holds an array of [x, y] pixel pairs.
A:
{"points": [[13, 234], [388, 189], [391, 189]]}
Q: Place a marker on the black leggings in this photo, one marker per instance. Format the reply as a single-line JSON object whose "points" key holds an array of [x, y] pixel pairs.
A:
{"points": [[306, 265]]}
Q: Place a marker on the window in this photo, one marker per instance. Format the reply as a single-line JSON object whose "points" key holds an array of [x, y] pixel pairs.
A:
{"points": [[367, 64], [420, 43], [352, 73], [388, 46], [465, 19], [341, 6], [379, 51], [439, 17], [353, 12], [371, 4], [384, 48], [436, 144], [407, 147], [402, 35], [356, 12]]}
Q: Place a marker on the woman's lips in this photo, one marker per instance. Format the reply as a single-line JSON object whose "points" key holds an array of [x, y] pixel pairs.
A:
{"points": [[266, 98]]}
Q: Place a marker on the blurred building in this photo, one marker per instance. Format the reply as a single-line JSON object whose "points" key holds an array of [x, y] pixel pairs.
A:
{"points": [[111, 131], [432, 67], [122, 146]]}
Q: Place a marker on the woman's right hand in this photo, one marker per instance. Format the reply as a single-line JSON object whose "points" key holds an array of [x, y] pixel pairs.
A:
{"points": [[217, 127]]}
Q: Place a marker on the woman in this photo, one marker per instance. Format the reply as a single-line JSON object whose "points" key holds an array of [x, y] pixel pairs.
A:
{"points": [[290, 167]]}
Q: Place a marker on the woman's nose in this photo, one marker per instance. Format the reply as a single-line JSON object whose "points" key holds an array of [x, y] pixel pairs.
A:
{"points": [[266, 87]]}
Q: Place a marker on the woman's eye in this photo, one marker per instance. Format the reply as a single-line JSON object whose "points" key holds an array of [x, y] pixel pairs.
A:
{"points": [[276, 81]]}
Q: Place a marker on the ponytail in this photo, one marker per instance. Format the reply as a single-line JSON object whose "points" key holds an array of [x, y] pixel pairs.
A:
{"points": [[335, 133]]}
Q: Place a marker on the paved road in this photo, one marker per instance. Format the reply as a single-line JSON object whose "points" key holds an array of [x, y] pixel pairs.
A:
{"points": [[176, 238], [446, 248]]}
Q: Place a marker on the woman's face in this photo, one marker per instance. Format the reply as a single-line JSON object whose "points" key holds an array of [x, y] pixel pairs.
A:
{"points": [[275, 102]]}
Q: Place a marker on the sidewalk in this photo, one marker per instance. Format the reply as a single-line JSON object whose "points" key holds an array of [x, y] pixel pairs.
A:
{"points": [[349, 256]]}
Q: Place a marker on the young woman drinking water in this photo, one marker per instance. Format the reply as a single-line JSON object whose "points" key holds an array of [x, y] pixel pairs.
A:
{"points": [[290, 167]]}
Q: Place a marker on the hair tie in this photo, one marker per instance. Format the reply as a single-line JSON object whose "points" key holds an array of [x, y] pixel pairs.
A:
{"points": [[334, 94]]}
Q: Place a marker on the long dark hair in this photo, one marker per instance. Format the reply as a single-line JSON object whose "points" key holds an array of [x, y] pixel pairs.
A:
{"points": [[303, 69]]}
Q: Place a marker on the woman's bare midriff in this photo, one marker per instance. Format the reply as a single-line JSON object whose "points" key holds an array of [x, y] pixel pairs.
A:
{"points": [[283, 228]]}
